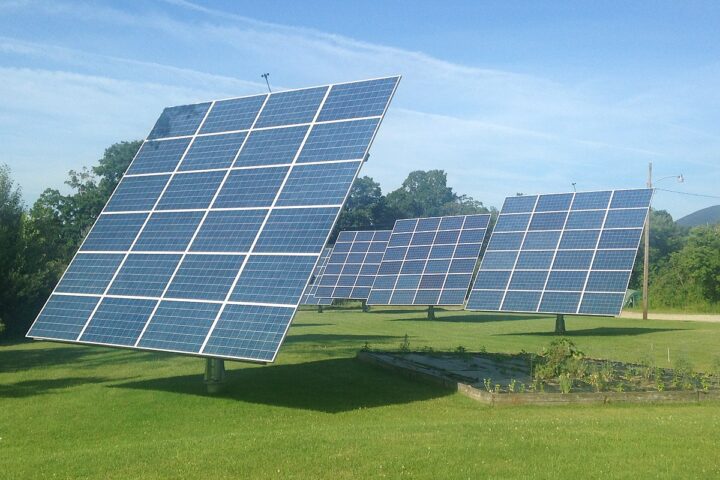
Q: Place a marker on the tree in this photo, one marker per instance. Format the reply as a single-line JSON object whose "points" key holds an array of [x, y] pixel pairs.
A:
{"points": [[666, 237], [691, 276], [426, 194], [11, 221], [364, 209], [56, 225]]}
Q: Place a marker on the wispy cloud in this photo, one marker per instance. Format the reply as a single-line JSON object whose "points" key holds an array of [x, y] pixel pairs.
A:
{"points": [[494, 131]]}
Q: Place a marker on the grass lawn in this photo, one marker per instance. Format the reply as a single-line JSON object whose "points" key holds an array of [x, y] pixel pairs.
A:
{"points": [[83, 412]]}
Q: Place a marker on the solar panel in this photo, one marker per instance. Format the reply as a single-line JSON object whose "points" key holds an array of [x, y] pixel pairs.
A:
{"points": [[210, 238], [353, 265], [569, 253], [309, 296], [429, 261]]}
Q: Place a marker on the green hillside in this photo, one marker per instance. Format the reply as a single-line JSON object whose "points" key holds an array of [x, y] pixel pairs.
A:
{"points": [[705, 216]]}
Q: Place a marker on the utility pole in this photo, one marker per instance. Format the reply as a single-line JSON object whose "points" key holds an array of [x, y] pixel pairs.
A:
{"points": [[646, 259], [646, 256]]}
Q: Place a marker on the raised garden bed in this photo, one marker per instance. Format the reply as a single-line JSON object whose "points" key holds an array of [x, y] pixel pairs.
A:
{"points": [[506, 379]]}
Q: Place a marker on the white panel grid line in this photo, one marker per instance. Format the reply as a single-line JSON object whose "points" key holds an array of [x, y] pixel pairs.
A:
{"points": [[382, 100], [364, 262], [427, 260], [557, 247], [264, 222], [202, 220], [452, 257], [347, 193], [251, 167], [598, 227], [597, 244], [137, 236], [527, 229], [260, 129]]}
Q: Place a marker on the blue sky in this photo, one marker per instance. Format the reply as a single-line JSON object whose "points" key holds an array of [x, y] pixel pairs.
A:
{"points": [[505, 96]]}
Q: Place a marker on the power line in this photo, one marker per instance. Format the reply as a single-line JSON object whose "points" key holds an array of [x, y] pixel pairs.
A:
{"points": [[688, 193]]}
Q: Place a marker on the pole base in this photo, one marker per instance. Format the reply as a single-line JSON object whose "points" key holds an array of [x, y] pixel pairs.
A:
{"points": [[560, 324], [431, 312], [365, 307], [214, 375]]}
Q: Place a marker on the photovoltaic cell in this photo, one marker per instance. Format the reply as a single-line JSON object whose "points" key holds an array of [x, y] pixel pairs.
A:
{"points": [[216, 151], [254, 187], [205, 277], [168, 231], [429, 261], [273, 279], [137, 193], [322, 184], [569, 253], [233, 114], [276, 146], [89, 273], [190, 190], [114, 232], [353, 265], [209, 240], [63, 317], [309, 295], [161, 156], [179, 121], [179, 326], [118, 321]]}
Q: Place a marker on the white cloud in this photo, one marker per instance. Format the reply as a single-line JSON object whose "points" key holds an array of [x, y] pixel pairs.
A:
{"points": [[494, 132]]}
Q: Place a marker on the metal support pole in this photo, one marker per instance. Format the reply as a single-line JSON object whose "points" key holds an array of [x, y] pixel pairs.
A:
{"points": [[365, 307], [214, 374], [431, 312], [646, 259], [560, 324], [320, 309]]}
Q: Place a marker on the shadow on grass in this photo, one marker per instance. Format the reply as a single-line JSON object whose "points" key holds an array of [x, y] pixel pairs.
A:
{"points": [[330, 386], [298, 325], [30, 388], [337, 339], [597, 332], [402, 311], [470, 318], [15, 360]]}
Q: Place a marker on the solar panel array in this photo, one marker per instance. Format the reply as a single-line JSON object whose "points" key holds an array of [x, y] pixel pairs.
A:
{"points": [[429, 261], [309, 296], [353, 265], [210, 238], [562, 253]]}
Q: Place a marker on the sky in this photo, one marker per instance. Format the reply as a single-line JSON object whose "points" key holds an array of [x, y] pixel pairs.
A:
{"points": [[505, 96]]}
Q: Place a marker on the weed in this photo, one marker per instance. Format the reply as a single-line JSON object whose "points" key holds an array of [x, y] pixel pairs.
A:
{"points": [[497, 388], [511, 385], [488, 383], [522, 388], [659, 384], [365, 348], [405, 345], [565, 382]]}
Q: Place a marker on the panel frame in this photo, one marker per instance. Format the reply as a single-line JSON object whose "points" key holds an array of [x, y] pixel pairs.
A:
{"points": [[595, 249], [206, 211], [427, 258]]}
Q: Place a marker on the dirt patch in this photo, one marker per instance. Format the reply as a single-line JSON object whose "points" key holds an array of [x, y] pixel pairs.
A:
{"points": [[684, 317]]}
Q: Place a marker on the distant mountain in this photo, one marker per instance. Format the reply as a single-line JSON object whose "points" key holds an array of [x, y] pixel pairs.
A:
{"points": [[709, 215]]}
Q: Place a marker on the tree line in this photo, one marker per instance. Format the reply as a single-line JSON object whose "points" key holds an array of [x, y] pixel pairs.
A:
{"points": [[37, 243]]}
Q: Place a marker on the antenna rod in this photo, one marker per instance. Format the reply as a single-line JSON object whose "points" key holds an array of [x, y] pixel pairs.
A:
{"points": [[265, 76]]}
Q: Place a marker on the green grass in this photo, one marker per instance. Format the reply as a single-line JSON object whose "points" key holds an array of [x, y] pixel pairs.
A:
{"points": [[79, 412]]}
